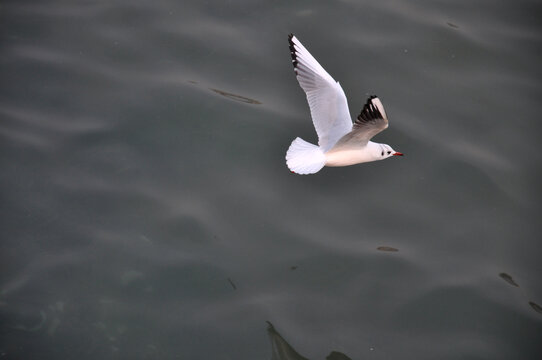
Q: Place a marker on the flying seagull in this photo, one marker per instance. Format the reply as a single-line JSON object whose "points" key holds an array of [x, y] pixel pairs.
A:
{"points": [[340, 142]]}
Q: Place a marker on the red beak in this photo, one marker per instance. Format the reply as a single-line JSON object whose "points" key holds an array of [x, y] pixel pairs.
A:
{"points": [[397, 154]]}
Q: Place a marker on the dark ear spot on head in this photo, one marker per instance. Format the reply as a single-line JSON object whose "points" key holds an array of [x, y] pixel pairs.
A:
{"points": [[382, 153]]}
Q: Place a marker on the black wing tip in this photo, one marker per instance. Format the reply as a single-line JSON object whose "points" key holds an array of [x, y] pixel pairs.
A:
{"points": [[291, 40], [292, 50], [370, 111], [369, 102]]}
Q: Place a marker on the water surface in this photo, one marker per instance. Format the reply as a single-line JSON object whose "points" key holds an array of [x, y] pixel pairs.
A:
{"points": [[147, 212]]}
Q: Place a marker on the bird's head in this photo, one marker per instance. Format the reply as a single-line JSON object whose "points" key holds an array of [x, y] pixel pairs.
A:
{"points": [[386, 151]]}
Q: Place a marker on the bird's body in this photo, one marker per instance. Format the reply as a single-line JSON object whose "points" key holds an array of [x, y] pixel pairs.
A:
{"points": [[350, 153], [340, 142]]}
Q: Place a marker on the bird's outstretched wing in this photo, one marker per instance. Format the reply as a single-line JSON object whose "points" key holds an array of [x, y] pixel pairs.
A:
{"points": [[371, 120], [327, 102]]}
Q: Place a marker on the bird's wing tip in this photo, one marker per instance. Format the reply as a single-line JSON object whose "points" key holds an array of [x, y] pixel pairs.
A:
{"points": [[373, 110]]}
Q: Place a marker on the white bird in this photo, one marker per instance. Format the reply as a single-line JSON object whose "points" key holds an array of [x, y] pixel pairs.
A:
{"points": [[340, 142]]}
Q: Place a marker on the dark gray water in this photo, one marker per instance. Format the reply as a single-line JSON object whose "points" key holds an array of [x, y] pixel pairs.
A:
{"points": [[147, 212]]}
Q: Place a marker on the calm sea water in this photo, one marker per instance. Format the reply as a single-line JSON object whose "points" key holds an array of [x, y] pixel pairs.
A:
{"points": [[147, 212]]}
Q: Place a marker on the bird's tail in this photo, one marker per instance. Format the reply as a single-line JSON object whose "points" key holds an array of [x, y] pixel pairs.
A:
{"points": [[304, 158]]}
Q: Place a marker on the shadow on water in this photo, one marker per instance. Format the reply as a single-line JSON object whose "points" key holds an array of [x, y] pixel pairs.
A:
{"points": [[282, 350]]}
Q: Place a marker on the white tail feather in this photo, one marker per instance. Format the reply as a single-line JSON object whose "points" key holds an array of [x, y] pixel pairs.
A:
{"points": [[304, 158]]}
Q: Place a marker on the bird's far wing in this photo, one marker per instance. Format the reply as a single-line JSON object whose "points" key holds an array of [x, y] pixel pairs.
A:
{"points": [[327, 102], [371, 120]]}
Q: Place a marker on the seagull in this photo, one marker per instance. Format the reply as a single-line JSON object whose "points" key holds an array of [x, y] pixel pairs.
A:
{"points": [[340, 142]]}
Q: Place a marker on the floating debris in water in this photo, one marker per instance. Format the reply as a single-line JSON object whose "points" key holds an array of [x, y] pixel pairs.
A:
{"points": [[536, 307], [236, 97], [293, 267], [452, 25], [387, 248], [508, 279], [232, 284]]}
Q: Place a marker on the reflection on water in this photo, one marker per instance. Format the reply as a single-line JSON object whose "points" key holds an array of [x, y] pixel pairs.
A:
{"points": [[282, 350]]}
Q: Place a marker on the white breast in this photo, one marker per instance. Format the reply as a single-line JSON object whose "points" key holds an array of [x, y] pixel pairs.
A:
{"points": [[350, 155]]}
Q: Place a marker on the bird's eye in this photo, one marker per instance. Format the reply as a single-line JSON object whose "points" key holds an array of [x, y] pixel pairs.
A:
{"points": [[389, 152]]}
